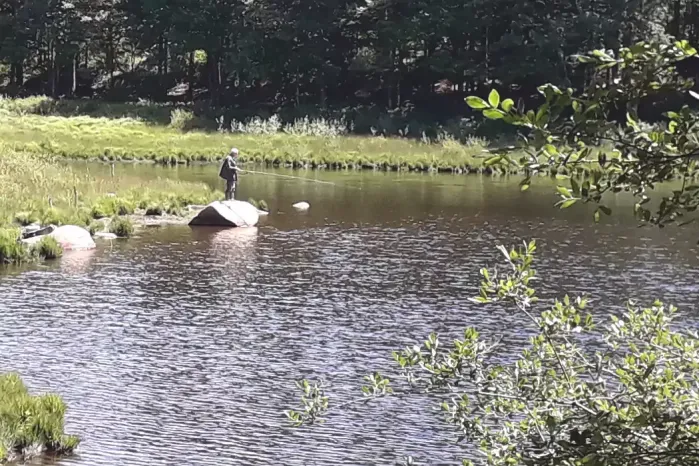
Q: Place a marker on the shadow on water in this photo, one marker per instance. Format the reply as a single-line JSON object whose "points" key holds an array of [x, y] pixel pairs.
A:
{"points": [[181, 345]]}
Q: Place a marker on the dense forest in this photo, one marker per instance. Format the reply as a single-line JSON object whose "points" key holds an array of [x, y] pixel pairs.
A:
{"points": [[387, 54]]}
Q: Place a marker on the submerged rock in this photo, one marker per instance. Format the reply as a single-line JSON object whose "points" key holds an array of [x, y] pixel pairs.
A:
{"points": [[302, 206], [227, 214], [70, 237]]}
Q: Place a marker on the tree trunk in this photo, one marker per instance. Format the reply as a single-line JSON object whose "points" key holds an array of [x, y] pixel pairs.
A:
{"points": [[17, 74], [166, 53], [160, 55], [74, 87], [51, 70], [675, 24], [190, 77]]}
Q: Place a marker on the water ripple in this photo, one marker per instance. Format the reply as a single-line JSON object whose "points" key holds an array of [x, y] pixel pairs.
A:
{"points": [[181, 347]]}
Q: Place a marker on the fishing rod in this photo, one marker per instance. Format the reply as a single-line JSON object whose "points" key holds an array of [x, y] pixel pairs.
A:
{"points": [[288, 176]]}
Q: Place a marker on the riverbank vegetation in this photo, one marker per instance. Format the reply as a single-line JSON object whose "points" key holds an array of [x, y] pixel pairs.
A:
{"points": [[305, 143], [40, 188], [36, 188], [31, 425]]}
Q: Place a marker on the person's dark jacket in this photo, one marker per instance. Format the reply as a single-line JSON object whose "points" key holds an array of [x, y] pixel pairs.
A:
{"points": [[229, 170]]}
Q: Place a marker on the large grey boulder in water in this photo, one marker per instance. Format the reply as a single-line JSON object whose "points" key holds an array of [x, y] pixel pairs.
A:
{"points": [[227, 214]]}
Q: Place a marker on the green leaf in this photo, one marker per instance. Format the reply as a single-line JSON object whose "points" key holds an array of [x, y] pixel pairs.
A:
{"points": [[507, 104], [494, 98], [606, 210], [493, 114], [493, 160], [597, 216], [476, 103], [568, 203], [564, 191], [524, 187], [632, 123]]}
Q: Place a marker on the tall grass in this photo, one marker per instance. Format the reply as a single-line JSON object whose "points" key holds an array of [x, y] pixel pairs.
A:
{"points": [[31, 424], [36, 187], [304, 142]]}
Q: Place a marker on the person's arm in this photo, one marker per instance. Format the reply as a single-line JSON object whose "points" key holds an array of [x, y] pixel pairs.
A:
{"points": [[235, 166]]}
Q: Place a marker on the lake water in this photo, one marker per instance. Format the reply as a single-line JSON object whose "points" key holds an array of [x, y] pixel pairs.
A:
{"points": [[180, 346]]}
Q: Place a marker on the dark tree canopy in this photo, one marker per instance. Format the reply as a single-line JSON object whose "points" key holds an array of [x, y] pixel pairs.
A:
{"points": [[387, 54]]}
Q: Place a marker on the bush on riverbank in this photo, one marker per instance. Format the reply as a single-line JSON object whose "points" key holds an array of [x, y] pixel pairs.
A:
{"points": [[13, 251], [122, 227], [48, 248], [31, 425]]}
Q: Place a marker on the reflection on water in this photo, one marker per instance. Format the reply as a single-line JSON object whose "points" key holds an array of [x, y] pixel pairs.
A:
{"points": [[77, 262], [181, 346]]}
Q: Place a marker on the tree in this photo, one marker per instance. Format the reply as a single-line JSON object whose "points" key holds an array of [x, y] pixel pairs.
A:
{"points": [[597, 134]]}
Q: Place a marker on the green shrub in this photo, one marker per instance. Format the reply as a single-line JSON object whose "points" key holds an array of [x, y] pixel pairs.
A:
{"points": [[174, 209], [144, 203], [111, 206], [253, 202], [95, 227], [124, 207], [53, 217], [262, 205], [48, 248], [181, 119], [12, 251], [31, 423], [154, 210], [26, 218], [122, 227], [103, 208]]}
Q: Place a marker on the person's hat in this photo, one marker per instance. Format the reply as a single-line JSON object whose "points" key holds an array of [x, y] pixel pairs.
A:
{"points": [[234, 151]]}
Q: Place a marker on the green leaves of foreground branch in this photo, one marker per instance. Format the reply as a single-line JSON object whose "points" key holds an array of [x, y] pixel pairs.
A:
{"points": [[597, 134], [633, 401]]}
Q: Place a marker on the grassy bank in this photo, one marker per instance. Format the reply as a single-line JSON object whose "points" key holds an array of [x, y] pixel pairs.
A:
{"points": [[35, 129], [31, 425], [41, 188]]}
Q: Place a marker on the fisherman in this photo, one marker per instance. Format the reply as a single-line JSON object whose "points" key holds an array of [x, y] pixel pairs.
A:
{"points": [[229, 172]]}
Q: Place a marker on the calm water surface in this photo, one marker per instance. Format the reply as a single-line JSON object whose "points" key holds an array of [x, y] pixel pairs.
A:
{"points": [[181, 346]]}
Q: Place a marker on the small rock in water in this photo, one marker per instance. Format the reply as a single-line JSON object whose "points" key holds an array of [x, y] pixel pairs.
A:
{"points": [[302, 206]]}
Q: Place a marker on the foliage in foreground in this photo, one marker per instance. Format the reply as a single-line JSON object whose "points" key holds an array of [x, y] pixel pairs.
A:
{"points": [[31, 425], [624, 394], [564, 132]]}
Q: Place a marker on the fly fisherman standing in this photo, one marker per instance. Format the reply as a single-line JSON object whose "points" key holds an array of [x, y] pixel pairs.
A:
{"points": [[229, 172]]}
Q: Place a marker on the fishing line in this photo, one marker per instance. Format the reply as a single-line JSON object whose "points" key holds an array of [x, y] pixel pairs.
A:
{"points": [[296, 178]]}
